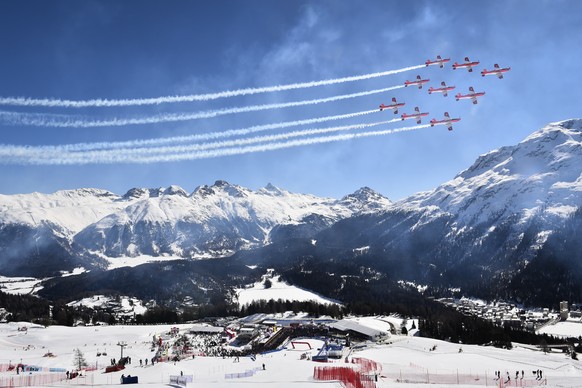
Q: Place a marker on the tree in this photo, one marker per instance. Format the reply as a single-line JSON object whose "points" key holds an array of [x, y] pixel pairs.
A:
{"points": [[79, 359], [268, 283]]}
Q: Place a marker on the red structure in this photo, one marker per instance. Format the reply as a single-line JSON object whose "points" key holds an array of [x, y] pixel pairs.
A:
{"points": [[366, 365], [293, 343], [348, 376]]}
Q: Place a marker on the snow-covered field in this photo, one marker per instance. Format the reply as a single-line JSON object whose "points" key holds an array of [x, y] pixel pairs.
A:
{"points": [[408, 359], [568, 328], [278, 290]]}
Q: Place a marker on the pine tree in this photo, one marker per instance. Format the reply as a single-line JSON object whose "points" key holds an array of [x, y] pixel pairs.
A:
{"points": [[79, 360]]}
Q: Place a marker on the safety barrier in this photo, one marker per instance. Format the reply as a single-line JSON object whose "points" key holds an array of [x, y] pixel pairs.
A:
{"points": [[366, 365], [457, 378], [181, 380], [28, 368], [247, 373], [347, 376], [31, 379]]}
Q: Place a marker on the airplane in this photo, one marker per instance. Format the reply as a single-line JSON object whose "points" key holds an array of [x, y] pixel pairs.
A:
{"points": [[394, 106], [468, 64], [448, 121], [444, 90], [419, 81], [439, 61], [418, 116], [497, 71], [473, 96]]}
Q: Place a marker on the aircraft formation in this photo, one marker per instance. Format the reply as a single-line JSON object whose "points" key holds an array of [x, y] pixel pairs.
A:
{"points": [[444, 89], [217, 143]]}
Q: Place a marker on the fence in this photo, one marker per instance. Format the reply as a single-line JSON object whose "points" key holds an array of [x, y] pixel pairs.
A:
{"points": [[247, 373], [458, 378], [347, 376], [31, 379], [366, 365], [181, 380]]}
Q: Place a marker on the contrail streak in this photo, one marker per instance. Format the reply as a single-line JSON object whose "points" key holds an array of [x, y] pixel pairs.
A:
{"points": [[43, 120], [272, 146], [192, 138], [51, 102], [20, 157], [60, 152]]}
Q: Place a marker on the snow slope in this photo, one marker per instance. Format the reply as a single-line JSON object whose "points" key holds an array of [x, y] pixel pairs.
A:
{"points": [[278, 290], [404, 358], [541, 176]]}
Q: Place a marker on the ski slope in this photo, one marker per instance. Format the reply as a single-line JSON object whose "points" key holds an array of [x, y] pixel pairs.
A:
{"points": [[401, 358]]}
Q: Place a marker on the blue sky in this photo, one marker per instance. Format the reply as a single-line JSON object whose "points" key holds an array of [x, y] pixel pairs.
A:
{"points": [[88, 50]]}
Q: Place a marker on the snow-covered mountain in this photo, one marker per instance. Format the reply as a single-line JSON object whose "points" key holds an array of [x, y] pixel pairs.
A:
{"points": [[539, 177], [214, 220], [486, 224], [488, 227], [531, 188]]}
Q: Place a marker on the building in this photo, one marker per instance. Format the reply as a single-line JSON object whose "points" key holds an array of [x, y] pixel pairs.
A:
{"points": [[564, 310]]}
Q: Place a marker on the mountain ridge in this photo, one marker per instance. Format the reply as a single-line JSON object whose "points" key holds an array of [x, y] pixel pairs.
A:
{"points": [[477, 231]]}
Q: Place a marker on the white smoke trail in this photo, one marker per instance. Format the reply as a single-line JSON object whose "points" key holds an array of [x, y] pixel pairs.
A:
{"points": [[65, 151], [112, 154], [19, 156], [50, 102], [272, 146], [192, 138], [43, 120]]}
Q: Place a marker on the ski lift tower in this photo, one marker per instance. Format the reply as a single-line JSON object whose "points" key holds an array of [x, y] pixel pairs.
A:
{"points": [[122, 344]]}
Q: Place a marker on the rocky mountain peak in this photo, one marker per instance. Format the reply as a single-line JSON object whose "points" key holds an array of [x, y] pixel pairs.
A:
{"points": [[271, 189], [365, 199], [175, 190], [139, 192]]}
